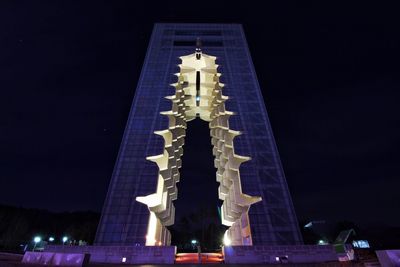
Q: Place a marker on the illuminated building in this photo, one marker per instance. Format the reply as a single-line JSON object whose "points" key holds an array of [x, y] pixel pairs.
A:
{"points": [[216, 83]]}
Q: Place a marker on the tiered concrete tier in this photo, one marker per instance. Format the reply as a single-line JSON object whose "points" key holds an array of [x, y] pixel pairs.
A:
{"points": [[162, 210], [198, 93]]}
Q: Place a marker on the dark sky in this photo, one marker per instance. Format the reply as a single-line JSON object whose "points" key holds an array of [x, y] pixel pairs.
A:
{"points": [[329, 75]]}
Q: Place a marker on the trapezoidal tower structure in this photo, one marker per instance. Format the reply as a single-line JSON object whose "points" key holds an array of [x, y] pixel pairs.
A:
{"points": [[213, 80]]}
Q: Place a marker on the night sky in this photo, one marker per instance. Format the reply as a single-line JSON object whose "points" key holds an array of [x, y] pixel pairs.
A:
{"points": [[329, 75]]}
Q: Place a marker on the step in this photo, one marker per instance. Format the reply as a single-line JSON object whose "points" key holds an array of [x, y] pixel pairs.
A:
{"points": [[194, 258]]}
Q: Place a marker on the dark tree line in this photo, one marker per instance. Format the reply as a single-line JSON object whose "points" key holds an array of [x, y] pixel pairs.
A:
{"points": [[18, 226]]}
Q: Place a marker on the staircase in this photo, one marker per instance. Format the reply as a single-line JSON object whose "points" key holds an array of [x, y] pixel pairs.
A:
{"points": [[367, 257], [185, 258], [372, 263]]}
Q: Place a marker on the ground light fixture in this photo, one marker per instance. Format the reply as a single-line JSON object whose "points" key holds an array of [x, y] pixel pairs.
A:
{"points": [[322, 242], [36, 240], [226, 240]]}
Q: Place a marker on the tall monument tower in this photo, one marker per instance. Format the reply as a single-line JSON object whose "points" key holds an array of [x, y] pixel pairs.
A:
{"points": [[215, 82]]}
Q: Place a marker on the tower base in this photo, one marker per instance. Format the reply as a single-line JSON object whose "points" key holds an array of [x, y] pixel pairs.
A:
{"points": [[232, 254]]}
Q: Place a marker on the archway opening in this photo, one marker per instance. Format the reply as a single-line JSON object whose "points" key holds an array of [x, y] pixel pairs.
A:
{"points": [[197, 209]]}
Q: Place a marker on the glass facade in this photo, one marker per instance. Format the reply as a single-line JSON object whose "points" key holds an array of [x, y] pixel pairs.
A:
{"points": [[124, 220]]}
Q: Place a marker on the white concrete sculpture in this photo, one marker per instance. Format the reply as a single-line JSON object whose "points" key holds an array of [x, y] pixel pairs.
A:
{"points": [[198, 93]]}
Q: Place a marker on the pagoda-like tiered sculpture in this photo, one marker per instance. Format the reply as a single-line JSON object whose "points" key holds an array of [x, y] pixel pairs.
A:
{"points": [[198, 93]]}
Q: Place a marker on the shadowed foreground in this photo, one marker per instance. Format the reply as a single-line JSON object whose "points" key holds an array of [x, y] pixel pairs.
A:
{"points": [[14, 260]]}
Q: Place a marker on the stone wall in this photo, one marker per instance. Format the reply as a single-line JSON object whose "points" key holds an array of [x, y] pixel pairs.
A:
{"points": [[232, 254], [56, 259], [279, 254], [122, 254], [389, 258]]}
